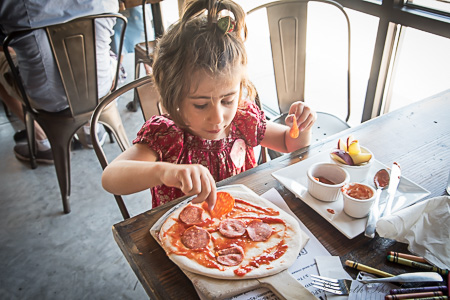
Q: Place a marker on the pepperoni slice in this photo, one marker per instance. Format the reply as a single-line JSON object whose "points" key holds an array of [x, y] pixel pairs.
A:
{"points": [[191, 215], [195, 237], [232, 256], [258, 231], [231, 228], [224, 204]]}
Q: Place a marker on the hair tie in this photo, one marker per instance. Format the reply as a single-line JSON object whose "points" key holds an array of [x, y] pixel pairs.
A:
{"points": [[226, 24]]}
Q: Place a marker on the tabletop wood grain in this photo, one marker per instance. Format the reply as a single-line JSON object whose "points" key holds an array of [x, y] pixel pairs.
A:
{"points": [[416, 136]]}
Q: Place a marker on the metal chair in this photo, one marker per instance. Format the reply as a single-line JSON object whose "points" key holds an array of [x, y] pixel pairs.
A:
{"points": [[287, 20], [73, 45], [140, 85], [6, 109], [143, 52]]}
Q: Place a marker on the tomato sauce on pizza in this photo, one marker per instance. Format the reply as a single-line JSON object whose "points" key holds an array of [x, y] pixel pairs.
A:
{"points": [[248, 237]]}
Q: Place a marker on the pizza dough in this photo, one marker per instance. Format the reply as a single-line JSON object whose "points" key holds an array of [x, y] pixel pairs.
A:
{"points": [[256, 239]]}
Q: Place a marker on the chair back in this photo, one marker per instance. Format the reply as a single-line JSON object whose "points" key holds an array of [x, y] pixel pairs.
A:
{"points": [[73, 45], [157, 22], [143, 52], [287, 20], [74, 50], [140, 83]]}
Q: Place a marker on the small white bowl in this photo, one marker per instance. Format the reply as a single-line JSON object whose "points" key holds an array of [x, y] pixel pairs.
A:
{"points": [[357, 173], [324, 191], [358, 199]]}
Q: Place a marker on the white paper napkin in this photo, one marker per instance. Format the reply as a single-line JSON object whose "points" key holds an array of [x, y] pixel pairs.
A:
{"points": [[425, 227], [331, 267]]}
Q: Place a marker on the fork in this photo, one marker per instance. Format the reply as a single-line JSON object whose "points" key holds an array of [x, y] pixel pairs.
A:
{"points": [[342, 286], [335, 286]]}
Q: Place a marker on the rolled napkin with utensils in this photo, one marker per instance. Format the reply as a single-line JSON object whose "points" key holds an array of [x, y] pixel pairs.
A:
{"points": [[425, 227]]}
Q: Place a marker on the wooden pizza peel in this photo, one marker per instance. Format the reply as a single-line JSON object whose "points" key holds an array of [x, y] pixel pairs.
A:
{"points": [[282, 284]]}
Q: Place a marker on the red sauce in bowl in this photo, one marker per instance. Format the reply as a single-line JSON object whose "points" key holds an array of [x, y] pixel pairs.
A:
{"points": [[358, 191], [324, 180]]}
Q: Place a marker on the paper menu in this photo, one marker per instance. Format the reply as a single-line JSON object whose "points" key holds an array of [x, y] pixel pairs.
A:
{"points": [[305, 265], [302, 267], [372, 291]]}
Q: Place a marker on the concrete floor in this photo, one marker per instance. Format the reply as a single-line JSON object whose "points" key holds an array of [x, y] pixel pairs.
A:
{"points": [[46, 254]]}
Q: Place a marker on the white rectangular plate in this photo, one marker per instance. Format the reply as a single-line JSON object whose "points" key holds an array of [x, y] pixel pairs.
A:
{"points": [[294, 179]]}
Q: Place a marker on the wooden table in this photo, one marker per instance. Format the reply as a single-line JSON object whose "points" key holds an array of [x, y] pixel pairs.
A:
{"points": [[416, 136]]}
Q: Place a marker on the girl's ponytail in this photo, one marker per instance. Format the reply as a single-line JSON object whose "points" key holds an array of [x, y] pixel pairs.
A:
{"points": [[216, 9]]}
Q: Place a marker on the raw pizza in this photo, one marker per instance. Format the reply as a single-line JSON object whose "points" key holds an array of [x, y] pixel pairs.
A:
{"points": [[254, 239]]}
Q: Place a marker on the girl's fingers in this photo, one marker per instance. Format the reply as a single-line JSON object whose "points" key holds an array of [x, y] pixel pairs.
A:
{"points": [[211, 199], [306, 119], [203, 185], [308, 123], [185, 182], [205, 188], [289, 120]]}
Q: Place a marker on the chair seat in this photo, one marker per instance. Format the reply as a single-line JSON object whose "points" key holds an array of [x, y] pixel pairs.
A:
{"points": [[326, 125], [141, 51], [63, 113]]}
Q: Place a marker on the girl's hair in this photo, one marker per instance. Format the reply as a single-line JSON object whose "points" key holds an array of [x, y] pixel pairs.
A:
{"points": [[195, 43]]}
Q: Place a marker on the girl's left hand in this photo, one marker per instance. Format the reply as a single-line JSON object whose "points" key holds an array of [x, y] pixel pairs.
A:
{"points": [[303, 114]]}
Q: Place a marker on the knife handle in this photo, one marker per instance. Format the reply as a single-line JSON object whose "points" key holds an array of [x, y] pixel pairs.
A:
{"points": [[373, 216], [392, 189], [387, 209]]}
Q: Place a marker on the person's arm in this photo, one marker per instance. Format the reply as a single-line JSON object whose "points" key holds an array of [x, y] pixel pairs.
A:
{"points": [[277, 136], [136, 170]]}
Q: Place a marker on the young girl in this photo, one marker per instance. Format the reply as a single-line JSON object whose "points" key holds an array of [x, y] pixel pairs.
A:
{"points": [[212, 123]]}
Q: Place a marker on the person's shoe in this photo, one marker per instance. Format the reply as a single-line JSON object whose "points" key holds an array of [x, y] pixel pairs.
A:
{"points": [[22, 153], [101, 133], [76, 143], [20, 135]]}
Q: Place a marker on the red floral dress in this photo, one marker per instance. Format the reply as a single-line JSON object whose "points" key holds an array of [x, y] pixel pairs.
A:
{"points": [[175, 145]]}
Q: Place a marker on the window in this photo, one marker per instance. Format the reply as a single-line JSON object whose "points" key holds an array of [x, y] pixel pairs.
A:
{"points": [[421, 68], [326, 64], [435, 5], [319, 81]]}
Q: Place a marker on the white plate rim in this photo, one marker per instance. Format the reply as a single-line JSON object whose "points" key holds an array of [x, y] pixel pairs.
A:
{"points": [[294, 179]]}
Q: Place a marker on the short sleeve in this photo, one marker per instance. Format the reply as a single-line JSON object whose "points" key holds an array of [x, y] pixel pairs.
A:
{"points": [[161, 135], [250, 121]]}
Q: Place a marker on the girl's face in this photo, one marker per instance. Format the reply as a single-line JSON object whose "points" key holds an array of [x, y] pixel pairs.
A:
{"points": [[211, 105]]}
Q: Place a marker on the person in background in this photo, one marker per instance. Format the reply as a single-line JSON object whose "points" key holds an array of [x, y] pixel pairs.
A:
{"points": [[10, 95], [34, 58], [134, 33], [200, 70]]}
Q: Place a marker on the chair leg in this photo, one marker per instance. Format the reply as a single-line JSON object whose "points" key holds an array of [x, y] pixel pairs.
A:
{"points": [[262, 156], [110, 134], [29, 125], [134, 104], [7, 111], [111, 118], [61, 156], [274, 154], [122, 207]]}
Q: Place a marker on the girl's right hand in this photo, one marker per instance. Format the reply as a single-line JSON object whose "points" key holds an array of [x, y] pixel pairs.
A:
{"points": [[192, 180]]}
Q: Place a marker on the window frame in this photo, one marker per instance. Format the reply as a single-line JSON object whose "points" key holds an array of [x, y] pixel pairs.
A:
{"points": [[392, 13]]}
